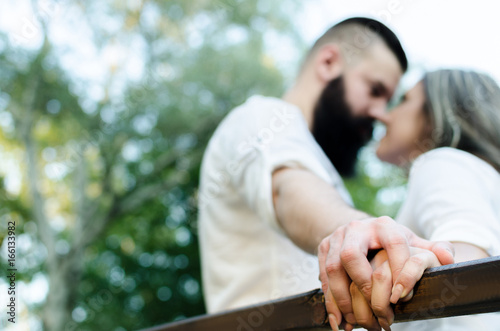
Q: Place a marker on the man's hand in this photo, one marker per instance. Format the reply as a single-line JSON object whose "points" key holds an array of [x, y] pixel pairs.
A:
{"points": [[342, 260]]}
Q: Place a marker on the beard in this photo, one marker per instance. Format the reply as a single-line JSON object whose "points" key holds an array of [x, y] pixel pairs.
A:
{"points": [[340, 134]]}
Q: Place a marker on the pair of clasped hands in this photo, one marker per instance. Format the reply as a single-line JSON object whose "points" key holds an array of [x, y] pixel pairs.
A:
{"points": [[358, 291]]}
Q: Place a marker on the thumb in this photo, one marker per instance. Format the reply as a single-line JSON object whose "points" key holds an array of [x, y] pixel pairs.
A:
{"points": [[444, 251]]}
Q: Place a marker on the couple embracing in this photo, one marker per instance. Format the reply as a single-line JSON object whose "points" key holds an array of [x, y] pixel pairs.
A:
{"points": [[281, 207]]}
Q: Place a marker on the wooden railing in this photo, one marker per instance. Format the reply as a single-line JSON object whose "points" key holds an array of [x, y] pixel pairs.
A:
{"points": [[459, 289]]}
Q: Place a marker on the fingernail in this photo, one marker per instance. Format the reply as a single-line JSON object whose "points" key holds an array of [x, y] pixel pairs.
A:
{"points": [[391, 319], [404, 293], [384, 324], [408, 297], [349, 317], [348, 327], [397, 293], [333, 322]]}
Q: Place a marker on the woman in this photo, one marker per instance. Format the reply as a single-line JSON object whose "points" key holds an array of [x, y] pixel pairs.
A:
{"points": [[447, 128]]}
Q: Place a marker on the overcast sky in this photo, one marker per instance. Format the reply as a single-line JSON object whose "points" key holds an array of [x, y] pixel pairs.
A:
{"points": [[434, 33]]}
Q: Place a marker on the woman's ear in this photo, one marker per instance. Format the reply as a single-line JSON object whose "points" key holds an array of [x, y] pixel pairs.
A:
{"points": [[328, 63]]}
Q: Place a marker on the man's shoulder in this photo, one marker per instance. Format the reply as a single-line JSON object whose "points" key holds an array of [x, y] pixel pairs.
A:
{"points": [[258, 108], [259, 116]]}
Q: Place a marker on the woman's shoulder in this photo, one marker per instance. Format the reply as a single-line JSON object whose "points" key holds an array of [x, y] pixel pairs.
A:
{"points": [[446, 162], [453, 158], [448, 153]]}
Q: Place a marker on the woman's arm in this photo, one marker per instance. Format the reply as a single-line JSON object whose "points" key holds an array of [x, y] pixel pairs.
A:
{"points": [[467, 252], [449, 198]]}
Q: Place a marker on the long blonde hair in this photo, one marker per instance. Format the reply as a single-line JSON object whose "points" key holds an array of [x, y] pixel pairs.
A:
{"points": [[463, 108]]}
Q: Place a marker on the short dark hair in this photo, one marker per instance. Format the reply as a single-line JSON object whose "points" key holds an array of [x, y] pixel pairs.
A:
{"points": [[348, 28]]}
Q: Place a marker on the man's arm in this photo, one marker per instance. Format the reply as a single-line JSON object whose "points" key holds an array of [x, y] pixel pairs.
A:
{"points": [[307, 208], [311, 212]]}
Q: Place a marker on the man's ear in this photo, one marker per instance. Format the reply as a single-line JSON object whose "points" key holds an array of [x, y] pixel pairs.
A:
{"points": [[328, 62]]}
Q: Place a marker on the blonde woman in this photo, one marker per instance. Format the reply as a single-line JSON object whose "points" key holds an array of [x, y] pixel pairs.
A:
{"points": [[447, 129]]}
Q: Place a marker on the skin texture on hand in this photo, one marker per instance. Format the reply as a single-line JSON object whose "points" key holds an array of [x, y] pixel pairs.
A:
{"points": [[378, 313], [343, 259]]}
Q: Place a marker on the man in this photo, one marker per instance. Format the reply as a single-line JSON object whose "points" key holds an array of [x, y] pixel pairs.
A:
{"points": [[271, 190]]}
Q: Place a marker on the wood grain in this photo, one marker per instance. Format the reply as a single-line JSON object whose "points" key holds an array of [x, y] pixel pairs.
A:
{"points": [[458, 289]]}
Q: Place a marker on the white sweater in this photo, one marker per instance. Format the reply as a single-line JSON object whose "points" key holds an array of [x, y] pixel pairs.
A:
{"points": [[454, 196]]}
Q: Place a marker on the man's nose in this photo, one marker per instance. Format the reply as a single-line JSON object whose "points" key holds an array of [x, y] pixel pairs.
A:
{"points": [[378, 111]]}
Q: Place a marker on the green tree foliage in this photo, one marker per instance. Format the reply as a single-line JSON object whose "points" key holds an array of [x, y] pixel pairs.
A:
{"points": [[109, 162], [110, 166], [378, 188]]}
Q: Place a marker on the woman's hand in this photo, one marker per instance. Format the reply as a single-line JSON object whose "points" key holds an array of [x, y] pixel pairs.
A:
{"points": [[378, 313]]}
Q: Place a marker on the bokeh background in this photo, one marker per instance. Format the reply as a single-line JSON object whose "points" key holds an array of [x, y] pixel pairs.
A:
{"points": [[106, 108]]}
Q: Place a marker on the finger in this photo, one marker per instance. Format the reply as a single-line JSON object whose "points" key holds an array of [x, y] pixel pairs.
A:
{"points": [[362, 311], [323, 249], [381, 293], [379, 259], [334, 315], [338, 280], [444, 250], [353, 256], [411, 273], [394, 239]]}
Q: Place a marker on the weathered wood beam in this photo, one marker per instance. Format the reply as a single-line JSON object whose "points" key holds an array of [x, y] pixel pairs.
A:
{"points": [[458, 289]]}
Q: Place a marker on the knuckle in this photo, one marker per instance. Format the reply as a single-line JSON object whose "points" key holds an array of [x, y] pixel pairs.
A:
{"points": [[348, 254], [324, 246], [332, 267], [324, 288], [366, 289], [355, 224], [380, 275], [344, 304], [337, 236], [341, 229], [378, 309], [339, 233], [406, 278], [384, 220], [396, 240], [418, 261]]}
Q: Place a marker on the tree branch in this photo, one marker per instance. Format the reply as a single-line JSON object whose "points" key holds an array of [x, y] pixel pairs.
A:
{"points": [[81, 202], [122, 205], [26, 130]]}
